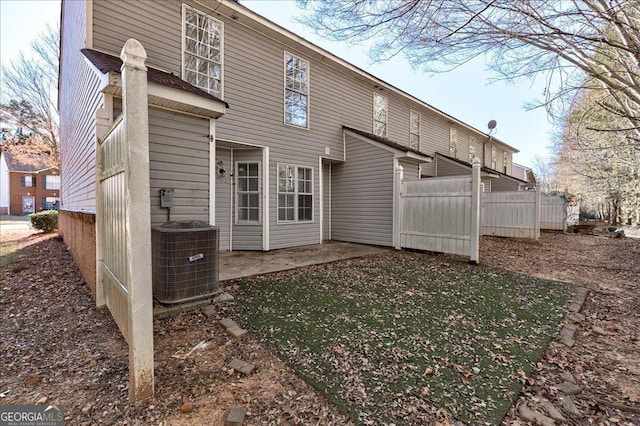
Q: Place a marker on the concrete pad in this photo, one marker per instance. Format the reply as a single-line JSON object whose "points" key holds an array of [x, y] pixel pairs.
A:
{"points": [[235, 416], [240, 264]]}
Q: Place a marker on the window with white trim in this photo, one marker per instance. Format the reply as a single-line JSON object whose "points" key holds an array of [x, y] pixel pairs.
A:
{"points": [[453, 142], [202, 45], [295, 193], [494, 161], [51, 182], [247, 192], [296, 91], [505, 161], [380, 115], [472, 148], [414, 130]]}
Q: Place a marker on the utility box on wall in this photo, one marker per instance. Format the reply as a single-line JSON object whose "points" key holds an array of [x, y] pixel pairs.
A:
{"points": [[185, 261]]}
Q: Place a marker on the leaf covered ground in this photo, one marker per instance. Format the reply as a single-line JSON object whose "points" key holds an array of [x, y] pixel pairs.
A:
{"points": [[56, 345]]}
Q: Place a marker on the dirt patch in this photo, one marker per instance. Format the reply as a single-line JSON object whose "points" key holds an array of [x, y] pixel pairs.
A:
{"points": [[57, 345]]}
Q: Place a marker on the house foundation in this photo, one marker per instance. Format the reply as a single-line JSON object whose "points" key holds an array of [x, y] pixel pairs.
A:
{"points": [[78, 229]]}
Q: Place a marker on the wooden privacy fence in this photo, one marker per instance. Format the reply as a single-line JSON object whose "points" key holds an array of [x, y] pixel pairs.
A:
{"points": [[123, 220], [514, 214], [439, 214], [553, 212]]}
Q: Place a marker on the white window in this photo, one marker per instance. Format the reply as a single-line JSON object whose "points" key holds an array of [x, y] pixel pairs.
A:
{"points": [[494, 161], [295, 193], [414, 130], [247, 192], [202, 51], [505, 161], [296, 91], [380, 114], [28, 181], [453, 142], [51, 182], [472, 148]]}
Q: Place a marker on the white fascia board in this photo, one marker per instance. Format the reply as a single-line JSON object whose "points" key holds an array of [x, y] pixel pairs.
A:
{"points": [[258, 22], [413, 157], [212, 107]]}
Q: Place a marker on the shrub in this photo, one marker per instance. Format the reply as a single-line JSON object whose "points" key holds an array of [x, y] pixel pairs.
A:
{"points": [[46, 221]]}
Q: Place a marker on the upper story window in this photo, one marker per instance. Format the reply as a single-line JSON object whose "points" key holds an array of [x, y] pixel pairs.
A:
{"points": [[505, 161], [453, 142], [472, 148], [247, 192], [296, 91], [202, 51], [494, 161], [414, 130], [295, 193], [380, 115], [28, 181], [51, 182]]}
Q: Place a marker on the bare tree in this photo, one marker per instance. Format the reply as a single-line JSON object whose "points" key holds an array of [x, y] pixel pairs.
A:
{"points": [[545, 173], [28, 108], [562, 41]]}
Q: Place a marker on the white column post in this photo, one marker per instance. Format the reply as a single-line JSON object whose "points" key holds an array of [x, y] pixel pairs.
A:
{"points": [[397, 204], [474, 255], [136, 127], [102, 127]]}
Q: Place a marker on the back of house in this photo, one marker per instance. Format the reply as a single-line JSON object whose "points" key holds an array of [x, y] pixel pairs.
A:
{"points": [[251, 128]]}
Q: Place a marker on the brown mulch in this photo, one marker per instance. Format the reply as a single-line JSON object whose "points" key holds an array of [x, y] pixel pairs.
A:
{"points": [[55, 344]]}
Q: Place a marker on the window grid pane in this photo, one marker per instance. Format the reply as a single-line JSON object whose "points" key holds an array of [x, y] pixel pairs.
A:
{"points": [[379, 115], [414, 130], [296, 93], [248, 192], [202, 52], [295, 193], [472, 148]]}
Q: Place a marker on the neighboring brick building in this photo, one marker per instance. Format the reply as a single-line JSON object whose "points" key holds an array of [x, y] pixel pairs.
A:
{"points": [[25, 188]]}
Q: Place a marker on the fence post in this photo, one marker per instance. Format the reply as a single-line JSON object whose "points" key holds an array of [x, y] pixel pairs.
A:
{"points": [[138, 217], [397, 220], [102, 127], [537, 215], [474, 255]]}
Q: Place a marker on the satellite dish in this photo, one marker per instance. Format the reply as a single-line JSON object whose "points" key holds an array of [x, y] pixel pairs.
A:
{"points": [[492, 124]]}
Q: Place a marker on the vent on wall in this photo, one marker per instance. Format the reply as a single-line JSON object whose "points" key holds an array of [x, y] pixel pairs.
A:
{"points": [[185, 261]]}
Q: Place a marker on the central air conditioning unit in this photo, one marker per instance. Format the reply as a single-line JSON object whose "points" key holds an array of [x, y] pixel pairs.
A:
{"points": [[185, 261]]}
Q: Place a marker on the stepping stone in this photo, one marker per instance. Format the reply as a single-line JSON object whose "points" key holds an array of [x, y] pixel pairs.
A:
{"points": [[530, 416], [241, 366], [224, 297], [575, 317], [236, 331], [209, 311], [568, 388], [552, 411], [566, 335], [228, 323], [235, 416]]}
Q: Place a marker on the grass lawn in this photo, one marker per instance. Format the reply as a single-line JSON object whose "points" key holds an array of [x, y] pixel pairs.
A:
{"points": [[407, 337]]}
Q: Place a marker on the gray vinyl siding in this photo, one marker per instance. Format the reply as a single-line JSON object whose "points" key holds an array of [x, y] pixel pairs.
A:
{"points": [[253, 87], [179, 159], [487, 183], [504, 183], [326, 201], [223, 198], [411, 170], [78, 103], [247, 236], [451, 168], [362, 195]]}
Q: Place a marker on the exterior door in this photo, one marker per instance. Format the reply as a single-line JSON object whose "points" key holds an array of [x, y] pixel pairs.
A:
{"points": [[28, 205]]}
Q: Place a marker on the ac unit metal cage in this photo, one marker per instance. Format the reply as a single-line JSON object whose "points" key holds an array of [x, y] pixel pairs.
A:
{"points": [[185, 261]]}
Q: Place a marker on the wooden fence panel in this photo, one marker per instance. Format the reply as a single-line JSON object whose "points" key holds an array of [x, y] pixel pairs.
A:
{"points": [[511, 214], [553, 213]]}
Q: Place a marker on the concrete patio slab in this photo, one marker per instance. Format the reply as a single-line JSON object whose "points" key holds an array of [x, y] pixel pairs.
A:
{"points": [[240, 264]]}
